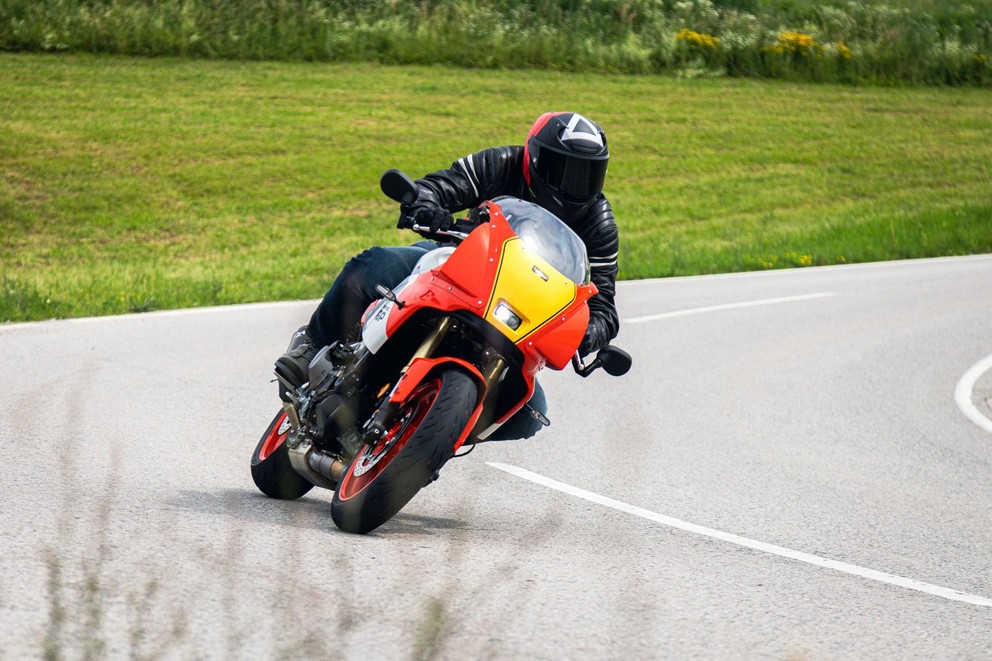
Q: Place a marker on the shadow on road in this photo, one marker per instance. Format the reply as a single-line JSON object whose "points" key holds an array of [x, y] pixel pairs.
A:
{"points": [[312, 513]]}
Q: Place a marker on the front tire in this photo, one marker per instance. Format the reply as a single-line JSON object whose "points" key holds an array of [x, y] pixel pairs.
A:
{"points": [[270, 468], [382, 478]]}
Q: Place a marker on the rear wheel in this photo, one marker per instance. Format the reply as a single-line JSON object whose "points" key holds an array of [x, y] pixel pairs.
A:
{"points": [[270, 468], [382, 478]]}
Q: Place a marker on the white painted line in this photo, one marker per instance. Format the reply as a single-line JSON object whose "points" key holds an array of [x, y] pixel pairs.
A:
{"points": [[154, 314], [728, 306], [962, 393], [892, 579], [784, 272]]}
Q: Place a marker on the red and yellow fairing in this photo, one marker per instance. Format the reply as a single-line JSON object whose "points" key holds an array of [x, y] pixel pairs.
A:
{"points": [[544, 300], [494, 266]]}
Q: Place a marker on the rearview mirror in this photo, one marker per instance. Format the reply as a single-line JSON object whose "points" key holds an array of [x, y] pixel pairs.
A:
{"points": [[397, 186], [615, 361]]}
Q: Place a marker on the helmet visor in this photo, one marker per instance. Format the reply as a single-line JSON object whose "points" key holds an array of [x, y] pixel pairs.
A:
{"points": [[574, 177]]}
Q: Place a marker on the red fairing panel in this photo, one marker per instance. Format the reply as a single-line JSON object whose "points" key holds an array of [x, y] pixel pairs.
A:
{"points": [[463, 282]]}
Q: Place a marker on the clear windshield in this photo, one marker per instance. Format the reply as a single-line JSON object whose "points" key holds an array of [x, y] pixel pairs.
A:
{"points": [[545, 234]]}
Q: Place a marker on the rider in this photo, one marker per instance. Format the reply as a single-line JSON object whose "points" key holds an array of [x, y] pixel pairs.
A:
{"points": [[561, 167]]}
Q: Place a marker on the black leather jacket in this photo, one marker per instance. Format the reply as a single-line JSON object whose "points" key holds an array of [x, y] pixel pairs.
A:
{"points": [[500, 171]]}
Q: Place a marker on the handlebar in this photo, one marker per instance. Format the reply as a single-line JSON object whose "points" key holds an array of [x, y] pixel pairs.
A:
{"points": [[401, 188], [425, 231]]}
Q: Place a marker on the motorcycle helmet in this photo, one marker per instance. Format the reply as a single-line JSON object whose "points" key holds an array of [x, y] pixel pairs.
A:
{"points": [[565, 162]]}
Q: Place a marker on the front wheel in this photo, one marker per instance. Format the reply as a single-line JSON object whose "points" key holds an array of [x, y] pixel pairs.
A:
{"points": [[270, 468], [382, 478]]}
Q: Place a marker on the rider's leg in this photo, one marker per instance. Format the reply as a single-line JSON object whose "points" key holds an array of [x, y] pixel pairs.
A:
{"points": [[339, 312], [523, 424], [354, 289]]}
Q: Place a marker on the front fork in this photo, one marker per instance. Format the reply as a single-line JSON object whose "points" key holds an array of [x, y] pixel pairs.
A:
{"points": [[421, 364], [384, 417]]}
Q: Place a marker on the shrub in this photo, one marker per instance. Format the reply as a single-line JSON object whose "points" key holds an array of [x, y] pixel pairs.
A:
{"points": [[916, 41]]}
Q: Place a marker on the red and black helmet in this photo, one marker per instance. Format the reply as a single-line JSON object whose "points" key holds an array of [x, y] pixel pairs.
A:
{"points": [[565, 161]]}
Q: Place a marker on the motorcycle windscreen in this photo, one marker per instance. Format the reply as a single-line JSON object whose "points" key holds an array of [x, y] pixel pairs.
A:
{"points": [[545, 234], [528, 292]]}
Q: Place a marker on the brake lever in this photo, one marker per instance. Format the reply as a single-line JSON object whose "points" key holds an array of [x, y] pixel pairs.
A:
{"points": [[582, 369], [425, 230]]}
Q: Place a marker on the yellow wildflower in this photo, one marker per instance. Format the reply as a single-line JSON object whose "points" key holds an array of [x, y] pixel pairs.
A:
{"points": [[796, 43], [698, 40]]}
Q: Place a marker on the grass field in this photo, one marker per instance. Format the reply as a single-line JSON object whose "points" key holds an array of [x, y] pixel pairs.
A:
{"points": [[136, 184]]}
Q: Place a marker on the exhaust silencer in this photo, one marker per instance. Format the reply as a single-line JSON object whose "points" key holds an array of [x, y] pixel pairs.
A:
{"points": [[322, 470]]}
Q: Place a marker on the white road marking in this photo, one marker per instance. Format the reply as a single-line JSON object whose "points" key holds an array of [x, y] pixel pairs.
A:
{"points": [[179, 312], [962, 393], [892, 579], [728, 306], [837, 268]]}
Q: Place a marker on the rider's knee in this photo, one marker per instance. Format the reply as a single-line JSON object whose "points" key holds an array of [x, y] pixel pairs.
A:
{"points": [[361, 272], [366, 259]]}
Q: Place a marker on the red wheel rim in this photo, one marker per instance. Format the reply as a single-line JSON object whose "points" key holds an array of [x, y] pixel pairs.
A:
{"points": [[277, 436], [373, 459]]}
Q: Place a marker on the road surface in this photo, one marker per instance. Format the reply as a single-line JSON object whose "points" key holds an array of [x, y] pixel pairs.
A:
{"points": [[795, 468]]}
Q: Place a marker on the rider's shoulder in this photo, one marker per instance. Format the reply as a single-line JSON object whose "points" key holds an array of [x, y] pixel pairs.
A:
{"points": [[601, 209], [493, 164], [492, 155]]}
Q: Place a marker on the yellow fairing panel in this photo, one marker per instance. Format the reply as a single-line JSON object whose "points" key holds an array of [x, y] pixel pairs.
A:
{"points": [[532, 288]]}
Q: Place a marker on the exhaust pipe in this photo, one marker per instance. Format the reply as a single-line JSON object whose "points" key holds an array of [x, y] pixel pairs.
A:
{"points": [[320, 469], [327, 465]]}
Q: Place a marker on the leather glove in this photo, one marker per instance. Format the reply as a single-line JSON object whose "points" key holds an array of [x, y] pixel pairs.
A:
{"points": [[594, 340], [475, 217], [587, 347], [426, 215]]}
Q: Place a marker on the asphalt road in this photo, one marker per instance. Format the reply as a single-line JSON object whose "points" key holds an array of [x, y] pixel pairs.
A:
{"points": [[788, 472]]}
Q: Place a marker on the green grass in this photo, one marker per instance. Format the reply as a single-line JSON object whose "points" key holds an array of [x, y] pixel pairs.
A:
{"points": [[134, 184]]}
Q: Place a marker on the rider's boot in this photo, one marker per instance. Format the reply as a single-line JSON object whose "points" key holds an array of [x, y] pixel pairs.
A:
{"points": [[294, 365]]}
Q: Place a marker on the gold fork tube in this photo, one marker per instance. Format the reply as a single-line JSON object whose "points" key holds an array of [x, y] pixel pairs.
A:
{"points": [[431, 342]]}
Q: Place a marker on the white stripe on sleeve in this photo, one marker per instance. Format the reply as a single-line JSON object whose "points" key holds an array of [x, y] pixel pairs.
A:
{"points": [[469, 168]]}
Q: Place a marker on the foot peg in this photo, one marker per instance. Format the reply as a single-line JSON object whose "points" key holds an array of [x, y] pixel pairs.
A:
{"points": [[537, 415]]}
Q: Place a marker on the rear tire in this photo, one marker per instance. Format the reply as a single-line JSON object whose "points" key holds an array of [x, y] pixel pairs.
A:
{"points": [[270, 468], [383, 478]]}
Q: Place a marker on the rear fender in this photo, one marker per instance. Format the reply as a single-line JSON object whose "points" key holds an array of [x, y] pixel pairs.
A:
{"points": [[421, 368]]}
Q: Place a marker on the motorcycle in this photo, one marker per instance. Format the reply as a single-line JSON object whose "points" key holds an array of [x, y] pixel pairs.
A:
{"points": [[443, 360]]}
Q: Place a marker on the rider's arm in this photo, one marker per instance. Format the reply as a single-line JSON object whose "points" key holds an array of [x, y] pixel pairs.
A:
{"points": [[598, 230], [474, 178]]}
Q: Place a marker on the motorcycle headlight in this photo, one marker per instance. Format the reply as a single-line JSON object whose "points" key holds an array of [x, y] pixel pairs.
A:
{"points": [[505, 314]]}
